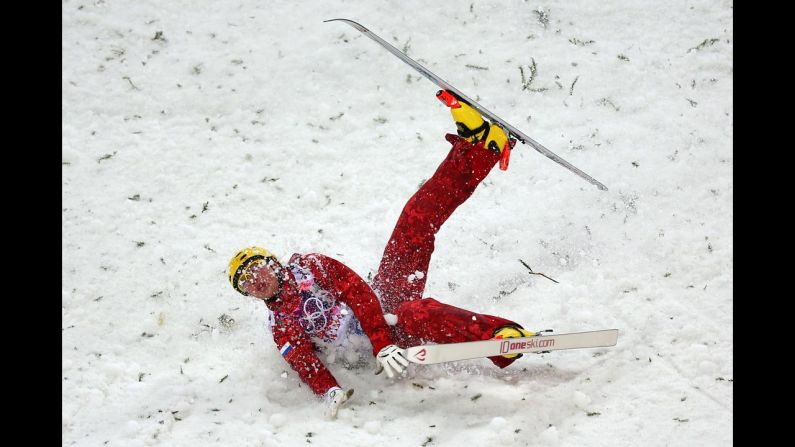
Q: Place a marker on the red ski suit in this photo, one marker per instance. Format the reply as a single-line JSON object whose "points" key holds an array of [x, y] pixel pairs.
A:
{"points": [[400, 280]]}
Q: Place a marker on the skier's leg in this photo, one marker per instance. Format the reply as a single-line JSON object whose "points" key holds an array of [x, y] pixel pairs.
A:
{"points": [[402, 273], [427, 320]]}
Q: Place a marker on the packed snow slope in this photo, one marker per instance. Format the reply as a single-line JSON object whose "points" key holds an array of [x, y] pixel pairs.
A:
{"points": [[192, 129]]}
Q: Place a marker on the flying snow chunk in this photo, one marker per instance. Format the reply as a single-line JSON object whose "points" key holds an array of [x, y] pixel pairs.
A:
{"points": [[498, 423], [277, 419], [581, 400], [415, 276], [373, 427], [391, 319]]}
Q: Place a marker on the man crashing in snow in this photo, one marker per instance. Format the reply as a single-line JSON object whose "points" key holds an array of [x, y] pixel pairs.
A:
{"points": [[317, 301]]}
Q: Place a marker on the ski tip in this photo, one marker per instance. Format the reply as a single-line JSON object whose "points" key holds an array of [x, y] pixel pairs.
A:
{"points": [[350, 22]]}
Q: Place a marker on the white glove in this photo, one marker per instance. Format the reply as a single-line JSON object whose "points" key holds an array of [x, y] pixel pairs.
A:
{"points": [[334, 398], [390, 358]]}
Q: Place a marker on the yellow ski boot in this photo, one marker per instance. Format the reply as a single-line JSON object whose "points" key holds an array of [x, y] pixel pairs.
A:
{"points": [[473, 128], [512, 331]]}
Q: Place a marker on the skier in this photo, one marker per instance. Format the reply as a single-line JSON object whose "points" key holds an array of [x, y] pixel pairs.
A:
{"points": [[318, 303]]}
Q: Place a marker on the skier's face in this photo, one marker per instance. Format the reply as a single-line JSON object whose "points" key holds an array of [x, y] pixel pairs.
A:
{"points": [[259, 279]]}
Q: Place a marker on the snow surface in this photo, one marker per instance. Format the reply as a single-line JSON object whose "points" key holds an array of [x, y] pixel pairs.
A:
{"points": [[194, 128]]}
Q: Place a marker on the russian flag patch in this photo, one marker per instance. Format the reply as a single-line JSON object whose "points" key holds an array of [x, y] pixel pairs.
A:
{"points": [[286, 349]]}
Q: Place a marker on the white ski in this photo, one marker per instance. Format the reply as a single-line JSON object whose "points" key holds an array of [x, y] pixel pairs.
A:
{"points": [[427, 354], [516, 133]]}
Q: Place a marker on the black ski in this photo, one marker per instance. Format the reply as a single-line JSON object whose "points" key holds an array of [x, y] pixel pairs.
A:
{"points": [[514, 132]]}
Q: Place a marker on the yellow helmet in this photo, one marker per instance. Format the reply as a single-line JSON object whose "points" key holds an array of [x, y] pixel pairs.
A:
{"points": [[243, 258]]}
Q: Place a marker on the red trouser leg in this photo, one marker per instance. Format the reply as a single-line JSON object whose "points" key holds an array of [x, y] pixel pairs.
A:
{"points": [[428, 320], [402, 274]]}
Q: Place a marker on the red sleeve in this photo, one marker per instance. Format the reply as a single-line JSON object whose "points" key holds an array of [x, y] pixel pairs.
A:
{"points": [[351, 289], [297, 349]]}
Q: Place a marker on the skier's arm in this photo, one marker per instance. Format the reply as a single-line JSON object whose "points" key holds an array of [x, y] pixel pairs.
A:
{"points": [[351, 289], [297, 349]]}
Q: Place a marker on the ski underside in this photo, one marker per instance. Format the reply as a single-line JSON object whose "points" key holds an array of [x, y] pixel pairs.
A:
{"points": [[514, 132]]}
